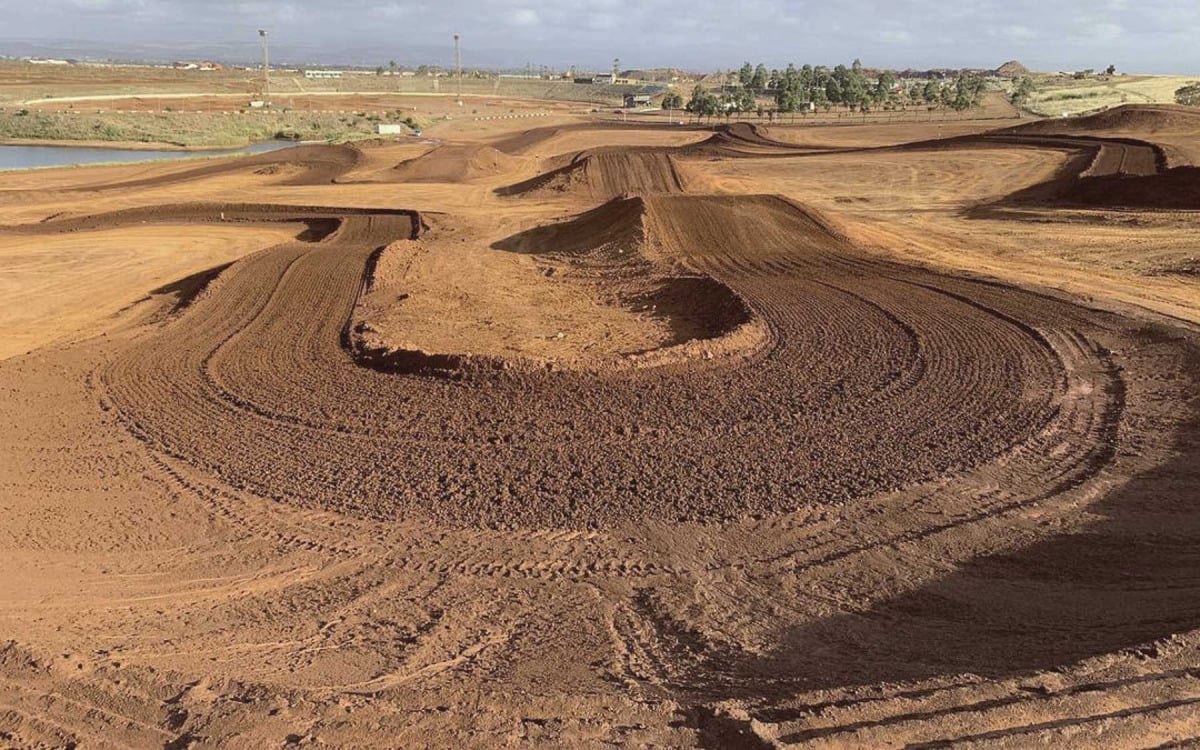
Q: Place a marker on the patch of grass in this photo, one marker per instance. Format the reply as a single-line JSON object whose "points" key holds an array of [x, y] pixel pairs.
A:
{"points": [[215, 129], [1070, 96], [1057, 95]]}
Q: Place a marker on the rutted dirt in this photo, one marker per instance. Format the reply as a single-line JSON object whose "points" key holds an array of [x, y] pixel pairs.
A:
{"points": [[604, 174], [902, 507]]}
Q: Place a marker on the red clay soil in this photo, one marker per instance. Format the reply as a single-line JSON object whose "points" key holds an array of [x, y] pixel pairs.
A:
{"points": [[963, 363], [452, 163], [930, 511], [617, 247], [604, 174], [1106, 173], [1144, 118]]}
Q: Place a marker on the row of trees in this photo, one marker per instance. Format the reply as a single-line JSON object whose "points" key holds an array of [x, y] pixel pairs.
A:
{"points": [[706, 103], [810, 87]]}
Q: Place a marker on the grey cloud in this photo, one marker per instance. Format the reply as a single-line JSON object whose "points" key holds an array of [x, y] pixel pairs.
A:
{"points": [[1148, 35]]}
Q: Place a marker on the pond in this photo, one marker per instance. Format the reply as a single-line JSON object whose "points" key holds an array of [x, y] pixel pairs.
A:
{"points": [[23, 157]]}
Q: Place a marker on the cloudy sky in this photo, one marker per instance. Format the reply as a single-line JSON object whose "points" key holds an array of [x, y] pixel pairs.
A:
{"points": [[1134, 35]]}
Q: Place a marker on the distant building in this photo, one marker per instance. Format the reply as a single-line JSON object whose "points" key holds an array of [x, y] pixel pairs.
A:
{"points": [[638, 100], [311, 74], [386, 128], [207, 66]]}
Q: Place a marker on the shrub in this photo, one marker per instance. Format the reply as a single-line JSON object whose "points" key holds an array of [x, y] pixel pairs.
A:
{"points": [[1189, 95]]}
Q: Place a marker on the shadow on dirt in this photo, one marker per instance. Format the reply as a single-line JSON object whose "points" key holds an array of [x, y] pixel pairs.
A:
{"points": [[1126, 581]]}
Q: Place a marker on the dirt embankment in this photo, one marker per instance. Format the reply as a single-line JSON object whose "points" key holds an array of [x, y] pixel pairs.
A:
{"points": [[1146, 171], [1146, 119], [1108, 173]]}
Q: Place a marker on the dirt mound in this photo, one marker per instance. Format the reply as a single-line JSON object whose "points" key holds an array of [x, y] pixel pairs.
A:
{"points": [[1127, 118], [607, 173], [453, 164], [1012, 69], [620, 307], [614, 228], [741, 139], [526, 139], [617, 245]]}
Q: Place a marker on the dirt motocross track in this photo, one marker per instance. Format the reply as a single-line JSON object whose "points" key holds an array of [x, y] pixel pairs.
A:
{"points": [[840, 500]]}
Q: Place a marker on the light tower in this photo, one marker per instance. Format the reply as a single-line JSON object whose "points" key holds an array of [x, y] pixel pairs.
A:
{"points": [[458, 68], [616, 68], [262, 33]]}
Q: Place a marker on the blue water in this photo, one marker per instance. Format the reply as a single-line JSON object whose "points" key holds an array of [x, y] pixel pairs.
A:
{"points": [[22, 157]]}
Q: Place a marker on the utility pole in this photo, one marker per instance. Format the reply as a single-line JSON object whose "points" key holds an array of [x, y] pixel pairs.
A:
{"points": [[262, 33], [458, 68]]}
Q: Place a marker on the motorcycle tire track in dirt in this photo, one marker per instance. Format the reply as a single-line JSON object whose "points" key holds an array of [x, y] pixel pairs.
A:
{"points": [[917, 509]]}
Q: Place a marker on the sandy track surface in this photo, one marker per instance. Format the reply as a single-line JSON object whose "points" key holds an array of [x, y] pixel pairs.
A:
{"points": [[923, 509]]}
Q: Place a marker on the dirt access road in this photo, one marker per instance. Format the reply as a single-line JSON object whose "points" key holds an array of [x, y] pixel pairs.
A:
{"points": [[766, 481]]}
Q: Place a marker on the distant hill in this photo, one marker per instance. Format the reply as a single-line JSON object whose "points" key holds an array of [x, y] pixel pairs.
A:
{"points": [[1012, 69]]}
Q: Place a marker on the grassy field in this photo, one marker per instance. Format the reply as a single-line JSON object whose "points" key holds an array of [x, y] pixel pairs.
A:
{"points": [[21, 83], [196, 129], [1059, 95]]}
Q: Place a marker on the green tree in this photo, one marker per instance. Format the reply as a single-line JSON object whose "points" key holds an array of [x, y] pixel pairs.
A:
{"points": [[759, 80], [673, 100], [1022, 91], [743, 100], [703, 103], [932, 93], [746, 74], [884, 85]]}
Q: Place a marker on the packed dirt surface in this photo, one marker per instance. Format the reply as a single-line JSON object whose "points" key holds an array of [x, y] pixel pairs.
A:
{"points": [[454, 164], [604, 435]]}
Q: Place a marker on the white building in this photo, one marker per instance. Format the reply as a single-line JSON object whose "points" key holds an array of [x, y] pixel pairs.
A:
{"points": [[322, 74]]}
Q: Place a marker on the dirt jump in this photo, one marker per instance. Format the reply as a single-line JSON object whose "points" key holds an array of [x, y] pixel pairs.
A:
{"points": [[833, 498]]}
